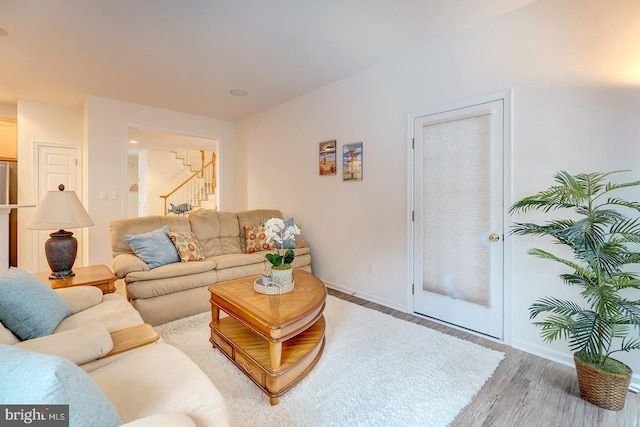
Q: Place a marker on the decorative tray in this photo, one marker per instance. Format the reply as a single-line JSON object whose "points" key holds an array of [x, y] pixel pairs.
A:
{"points": [[269, 288]]}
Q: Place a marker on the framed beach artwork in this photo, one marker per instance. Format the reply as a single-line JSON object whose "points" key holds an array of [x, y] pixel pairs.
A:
{"points": [[352, 162], [328, 158]]}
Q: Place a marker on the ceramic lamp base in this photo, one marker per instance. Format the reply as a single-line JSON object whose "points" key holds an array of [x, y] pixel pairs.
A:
{"points": [[61, 249]]}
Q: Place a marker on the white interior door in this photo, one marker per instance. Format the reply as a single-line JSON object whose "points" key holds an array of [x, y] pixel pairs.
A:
{"points": [[57, 165], [458, 217]]}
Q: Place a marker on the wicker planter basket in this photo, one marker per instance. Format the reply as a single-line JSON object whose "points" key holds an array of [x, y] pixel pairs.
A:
{"points": [[603, 389]]}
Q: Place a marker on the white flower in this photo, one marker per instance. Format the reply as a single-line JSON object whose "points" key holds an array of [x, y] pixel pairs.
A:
{"points": [[290, 232], [275, 231]]}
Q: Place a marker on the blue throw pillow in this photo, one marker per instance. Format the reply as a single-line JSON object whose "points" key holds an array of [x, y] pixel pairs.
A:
{"points": [[30, 378], [28, 307], [288, 243], [155, 248]]}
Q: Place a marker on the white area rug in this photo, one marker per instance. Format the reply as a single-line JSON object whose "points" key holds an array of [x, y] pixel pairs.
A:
{"points": [[376, 370]]}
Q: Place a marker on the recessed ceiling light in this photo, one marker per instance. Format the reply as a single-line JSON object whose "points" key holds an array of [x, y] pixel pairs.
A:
{"points": [[3, 32], [238, 92], [133, 141]]}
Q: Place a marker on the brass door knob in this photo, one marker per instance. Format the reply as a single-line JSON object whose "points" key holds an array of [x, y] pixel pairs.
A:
{"points": [[494, 237]]}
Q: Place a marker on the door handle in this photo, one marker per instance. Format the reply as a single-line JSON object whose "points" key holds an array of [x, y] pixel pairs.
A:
{"points": [[494, 237]]}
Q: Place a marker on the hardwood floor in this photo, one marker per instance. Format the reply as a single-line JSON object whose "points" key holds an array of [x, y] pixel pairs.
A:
{"points": [[525, 390]]}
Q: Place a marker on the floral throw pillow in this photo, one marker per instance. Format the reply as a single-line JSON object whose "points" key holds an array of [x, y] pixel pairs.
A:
{"points": [[187, 245], [256, 239]]}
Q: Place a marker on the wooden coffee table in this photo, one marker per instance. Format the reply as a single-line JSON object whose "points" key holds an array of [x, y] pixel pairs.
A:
{"points": [[275, 340]]}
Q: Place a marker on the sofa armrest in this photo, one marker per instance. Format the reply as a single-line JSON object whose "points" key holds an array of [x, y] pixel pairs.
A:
{"points": [[80, 298], [124, 264], [80, 345], [165, 419]]}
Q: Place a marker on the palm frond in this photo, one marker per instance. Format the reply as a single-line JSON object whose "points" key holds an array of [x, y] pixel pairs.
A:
{"points": [[553, 305], [624, 203], [627, 345], [555, 327]]}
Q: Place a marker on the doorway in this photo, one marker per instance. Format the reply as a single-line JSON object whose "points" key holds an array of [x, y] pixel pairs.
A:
{"points": [[152, 167], [459, 166], [57, 164]]}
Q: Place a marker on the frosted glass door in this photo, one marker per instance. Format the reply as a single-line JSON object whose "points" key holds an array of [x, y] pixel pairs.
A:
{"points": [[458, 217]]}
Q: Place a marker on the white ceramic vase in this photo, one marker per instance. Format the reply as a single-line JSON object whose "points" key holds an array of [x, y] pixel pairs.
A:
{"points": [[282, 278]]}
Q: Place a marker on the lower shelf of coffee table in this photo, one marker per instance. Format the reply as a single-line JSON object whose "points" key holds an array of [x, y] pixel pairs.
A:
{"points": [[250, 353]]}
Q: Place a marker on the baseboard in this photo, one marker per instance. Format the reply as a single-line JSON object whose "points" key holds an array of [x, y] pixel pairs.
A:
{"points": [[563, 358], [364, 295]]}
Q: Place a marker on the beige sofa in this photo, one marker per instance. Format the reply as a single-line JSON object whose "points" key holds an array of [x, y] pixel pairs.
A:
{"points": [[180, 289], [154, 385]]}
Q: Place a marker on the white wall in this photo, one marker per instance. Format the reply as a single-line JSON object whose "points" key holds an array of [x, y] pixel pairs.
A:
{"points": [[101, 131], [164, 173], [574, 69], [107, 124]]}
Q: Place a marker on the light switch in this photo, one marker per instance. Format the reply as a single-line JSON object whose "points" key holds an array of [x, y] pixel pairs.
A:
{"points": [[114, 195], [103, 195]]}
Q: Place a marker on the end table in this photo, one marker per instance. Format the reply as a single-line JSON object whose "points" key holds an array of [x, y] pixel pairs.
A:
{"points": [[99, 276]]}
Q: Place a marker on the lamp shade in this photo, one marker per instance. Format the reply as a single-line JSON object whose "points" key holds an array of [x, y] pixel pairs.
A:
{"points": [[59, 210]]}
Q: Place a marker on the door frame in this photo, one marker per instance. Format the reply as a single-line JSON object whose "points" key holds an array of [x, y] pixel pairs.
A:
{"points": [[506, 97], [79, 233]]}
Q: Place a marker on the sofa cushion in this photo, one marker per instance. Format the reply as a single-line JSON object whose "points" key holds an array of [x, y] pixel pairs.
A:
{"points": [[172, 270], [120, 227], [155, 247], [187, 245], [237, 260], [6, 336], [28, 307], [79, 345], [256, 239], [216, 231], [173, 419], [165, 380], [171, 285], [253, 217], [30, 378], [80, 298], [114, 312]]}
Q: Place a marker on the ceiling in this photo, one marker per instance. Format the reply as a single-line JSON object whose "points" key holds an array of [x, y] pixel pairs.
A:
{"points": [[186, 55]]}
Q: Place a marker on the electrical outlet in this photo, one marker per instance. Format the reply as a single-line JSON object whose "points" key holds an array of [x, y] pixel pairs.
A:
{"points": [[370, 267]]}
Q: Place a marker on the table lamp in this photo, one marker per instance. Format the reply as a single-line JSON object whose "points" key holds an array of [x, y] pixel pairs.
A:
{"points": [[60, 210]]}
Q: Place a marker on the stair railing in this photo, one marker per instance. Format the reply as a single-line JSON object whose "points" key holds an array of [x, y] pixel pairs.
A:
{"points": [[197, 187]]}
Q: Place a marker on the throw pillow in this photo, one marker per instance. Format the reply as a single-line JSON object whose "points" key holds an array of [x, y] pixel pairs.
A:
{"points": [[288, 243], [256, 239], [187, 245], [28, 307], [155, 248], [30, 378]]}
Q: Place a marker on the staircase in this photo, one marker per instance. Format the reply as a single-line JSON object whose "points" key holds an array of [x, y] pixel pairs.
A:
{"points": [[199, 190]]}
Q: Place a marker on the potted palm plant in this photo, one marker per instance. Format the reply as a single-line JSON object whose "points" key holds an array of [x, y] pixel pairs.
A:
{"points": [[603, 233]]}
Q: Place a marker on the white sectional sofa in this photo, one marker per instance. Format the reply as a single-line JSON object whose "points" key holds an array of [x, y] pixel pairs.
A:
{"points": [[65, 363]]}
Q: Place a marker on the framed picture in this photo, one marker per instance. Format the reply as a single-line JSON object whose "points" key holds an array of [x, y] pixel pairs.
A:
{"points": [[352, 162], [328, 158]]}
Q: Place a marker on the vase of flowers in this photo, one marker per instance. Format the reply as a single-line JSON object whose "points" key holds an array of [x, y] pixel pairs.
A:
{"points": [[279, 233]]}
